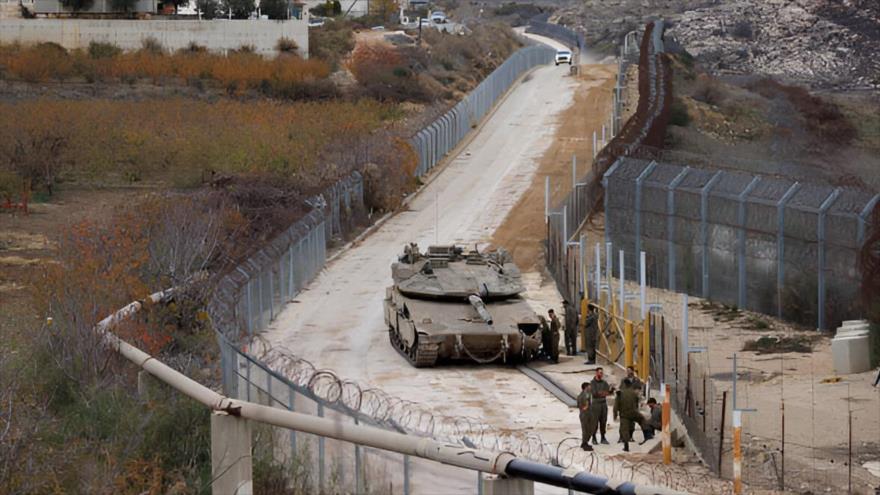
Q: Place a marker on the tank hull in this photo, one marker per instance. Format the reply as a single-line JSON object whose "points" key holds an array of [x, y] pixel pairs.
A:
{"points": [[429, 331]]}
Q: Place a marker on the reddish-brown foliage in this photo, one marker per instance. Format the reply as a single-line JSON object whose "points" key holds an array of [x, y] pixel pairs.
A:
{"points": [[184, 141], [823, 118], [237, 72]]}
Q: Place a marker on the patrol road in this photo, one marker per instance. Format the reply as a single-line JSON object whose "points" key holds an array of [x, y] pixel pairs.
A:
{"points": [[337, 322]]}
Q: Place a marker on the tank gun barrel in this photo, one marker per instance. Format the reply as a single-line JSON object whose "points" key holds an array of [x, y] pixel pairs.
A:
{"points": [[477, 303]]}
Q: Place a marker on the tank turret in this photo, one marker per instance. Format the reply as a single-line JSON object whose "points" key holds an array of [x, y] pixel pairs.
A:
{"points": [[448, 303]]}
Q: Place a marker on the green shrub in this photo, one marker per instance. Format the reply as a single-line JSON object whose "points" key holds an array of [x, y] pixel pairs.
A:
{"points": [[678, 114], [103, 50], [152, 45], [286, 45]]}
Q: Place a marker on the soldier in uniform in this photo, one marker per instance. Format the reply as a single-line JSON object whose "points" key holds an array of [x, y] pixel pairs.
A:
{"points": [[571, 324], [588, 422], [600, 390], [549, 341], [635, 383], [628, 405], [590, 323], [654, 422]]}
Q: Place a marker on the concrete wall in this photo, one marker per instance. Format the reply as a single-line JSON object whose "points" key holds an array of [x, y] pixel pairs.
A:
{"points": [[217, 35], [97, 6]]}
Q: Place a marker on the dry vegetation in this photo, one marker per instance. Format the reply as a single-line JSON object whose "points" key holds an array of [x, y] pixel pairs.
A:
{"points": [[236, 73], [186, 142], [241, 164]]}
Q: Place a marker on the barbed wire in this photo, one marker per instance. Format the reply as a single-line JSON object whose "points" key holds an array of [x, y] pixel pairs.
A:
{"points": [[418, 419]]}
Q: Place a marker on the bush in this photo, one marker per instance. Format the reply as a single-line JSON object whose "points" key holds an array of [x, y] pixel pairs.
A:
{"points": [[123, 5], [331, 42], [241, 9], [678, 114], [330, 8], [286, 45], [709, 90], [152, 45], [384, 75], [275, 9], [210, 9], [103, 50]]}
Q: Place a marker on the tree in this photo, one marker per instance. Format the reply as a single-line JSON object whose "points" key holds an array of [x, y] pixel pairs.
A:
{"points": [[241, 9], [385, 9], [123, 5], [210, 9], [275, 9], [77, 5]]}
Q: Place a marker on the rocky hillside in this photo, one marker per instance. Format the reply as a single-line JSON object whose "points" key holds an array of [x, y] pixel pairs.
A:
{"points": [[821, 43]]}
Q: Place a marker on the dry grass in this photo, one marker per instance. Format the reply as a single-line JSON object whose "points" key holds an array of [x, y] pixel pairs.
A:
{"points": [[186, 141], [236, 72]]}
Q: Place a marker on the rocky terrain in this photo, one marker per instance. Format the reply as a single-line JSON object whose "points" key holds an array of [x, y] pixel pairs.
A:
{"points": [[821, 43]]}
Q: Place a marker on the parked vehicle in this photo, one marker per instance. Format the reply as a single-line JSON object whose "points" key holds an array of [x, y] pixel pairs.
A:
{"points": [[563, 57]]}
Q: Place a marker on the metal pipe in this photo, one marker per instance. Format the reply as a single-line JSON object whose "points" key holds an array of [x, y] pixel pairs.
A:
{"points": [[584, 482], [410, 445]]}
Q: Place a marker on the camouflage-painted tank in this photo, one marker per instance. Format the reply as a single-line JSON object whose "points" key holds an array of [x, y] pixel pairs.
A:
{"points": [[446, 304]]}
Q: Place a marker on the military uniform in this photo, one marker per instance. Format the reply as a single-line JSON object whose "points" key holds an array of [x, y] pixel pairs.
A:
{"points": [[588, 422], [636, 384], [549, 341], [571, 323], [654, 422], [600, 389], [592, 335], [628, 406]]}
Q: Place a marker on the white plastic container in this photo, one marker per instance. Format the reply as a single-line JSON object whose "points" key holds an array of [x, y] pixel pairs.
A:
{"points": [[850, 348]]}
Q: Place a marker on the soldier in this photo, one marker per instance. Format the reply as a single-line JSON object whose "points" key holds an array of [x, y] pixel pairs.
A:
{"points": [[549, 341], [628, 405], [571, 324], [590, 324], [600, 390], [654, 422], [588, 422], [635, 383]]}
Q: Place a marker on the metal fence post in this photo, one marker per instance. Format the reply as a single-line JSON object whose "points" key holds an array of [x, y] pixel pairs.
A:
{"points": [[406, 473], [291, 395], [741, 245], [320, 453], [704, 230], [357, 466], [829, 201], [639, 182], [670, 225], [863, 219], [780, 244]]}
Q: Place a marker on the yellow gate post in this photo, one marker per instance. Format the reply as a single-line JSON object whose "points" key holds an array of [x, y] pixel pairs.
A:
{"points": [[628, 343]]}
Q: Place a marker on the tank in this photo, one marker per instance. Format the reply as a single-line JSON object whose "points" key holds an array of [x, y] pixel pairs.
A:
{"points": [[448, 305]]}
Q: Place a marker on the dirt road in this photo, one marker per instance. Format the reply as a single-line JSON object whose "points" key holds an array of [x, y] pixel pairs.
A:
{"points": [[337, 322]]}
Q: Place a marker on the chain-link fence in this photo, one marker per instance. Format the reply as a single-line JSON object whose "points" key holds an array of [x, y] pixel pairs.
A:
{"points": [[572, 39], [442, 136], [647, 125], [771, 245]]}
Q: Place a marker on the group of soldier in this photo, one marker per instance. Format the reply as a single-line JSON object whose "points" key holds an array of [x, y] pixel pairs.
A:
{"points": [[550, 333], [593, 409], [593, 400]]}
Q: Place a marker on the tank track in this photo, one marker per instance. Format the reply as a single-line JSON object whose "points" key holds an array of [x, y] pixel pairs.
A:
{"points": [[423, 356]]}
